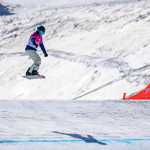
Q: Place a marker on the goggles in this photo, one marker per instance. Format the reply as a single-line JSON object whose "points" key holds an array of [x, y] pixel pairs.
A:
{"points": [[41, 32]]}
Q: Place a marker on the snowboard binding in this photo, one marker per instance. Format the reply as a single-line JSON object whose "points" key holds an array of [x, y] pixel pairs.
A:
{"points": [[33, 75], [34, 72]]}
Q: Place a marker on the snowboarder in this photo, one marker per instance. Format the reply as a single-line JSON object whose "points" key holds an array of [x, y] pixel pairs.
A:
{"points": [[34, 41]]}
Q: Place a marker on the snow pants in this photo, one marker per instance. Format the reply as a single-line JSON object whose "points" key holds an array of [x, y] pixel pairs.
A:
{"points": [[36, 59]]}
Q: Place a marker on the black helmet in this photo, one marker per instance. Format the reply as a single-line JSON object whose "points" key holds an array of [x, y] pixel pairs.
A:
{"points": [[41, 28]]}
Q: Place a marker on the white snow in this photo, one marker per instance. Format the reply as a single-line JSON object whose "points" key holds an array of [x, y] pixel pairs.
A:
{"points": [[57, 3], [72, 125], [96, 52], [89, 47]]}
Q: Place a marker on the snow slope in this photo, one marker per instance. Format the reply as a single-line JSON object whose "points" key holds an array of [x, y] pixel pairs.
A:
{"points": [[72, 125], [96, 52], [102, 48], [7, 9]]}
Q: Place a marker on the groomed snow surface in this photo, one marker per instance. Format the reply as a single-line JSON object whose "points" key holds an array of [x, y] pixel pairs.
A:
{"points": [[97, 52], [74, 125]]}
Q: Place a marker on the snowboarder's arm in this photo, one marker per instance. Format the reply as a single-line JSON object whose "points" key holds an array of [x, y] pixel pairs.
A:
{"points": [[34, 43], [43, 49]]}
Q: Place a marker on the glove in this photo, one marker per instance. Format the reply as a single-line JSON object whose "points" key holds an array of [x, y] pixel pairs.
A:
{"points": [[36, 45], [45, 55]]}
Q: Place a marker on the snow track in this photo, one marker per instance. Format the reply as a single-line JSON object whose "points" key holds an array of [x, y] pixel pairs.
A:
{"points": [[96, 53], [74, 124], [89, 47]]}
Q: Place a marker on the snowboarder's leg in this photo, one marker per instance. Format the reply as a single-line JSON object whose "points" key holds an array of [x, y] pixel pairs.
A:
{"points": [[36, 59]]}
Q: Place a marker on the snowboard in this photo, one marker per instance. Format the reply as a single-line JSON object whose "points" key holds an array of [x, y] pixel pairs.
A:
{"points": [[34, 77]]}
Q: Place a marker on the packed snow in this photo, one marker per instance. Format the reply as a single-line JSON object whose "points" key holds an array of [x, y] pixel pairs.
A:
{"points": [[72, 125], [97, 52], [99, 46]]}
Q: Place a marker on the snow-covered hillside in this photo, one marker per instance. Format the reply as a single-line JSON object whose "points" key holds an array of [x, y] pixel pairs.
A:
{"points": [[100, 49], [7, 9]]}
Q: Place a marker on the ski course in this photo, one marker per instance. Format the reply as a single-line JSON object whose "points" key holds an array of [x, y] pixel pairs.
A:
{"points": [[74, 125], [96, 53]]}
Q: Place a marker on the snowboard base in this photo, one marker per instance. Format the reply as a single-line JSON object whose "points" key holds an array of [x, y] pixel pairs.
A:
{"points": [[34, 77]]}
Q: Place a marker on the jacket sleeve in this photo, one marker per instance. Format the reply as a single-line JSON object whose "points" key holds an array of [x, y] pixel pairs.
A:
{"points": [[42, 48], [33, 42]]}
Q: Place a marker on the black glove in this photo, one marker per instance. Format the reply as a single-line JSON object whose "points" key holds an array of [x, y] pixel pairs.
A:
{"points": [[36, 45], [45, 55], [33, 41]]}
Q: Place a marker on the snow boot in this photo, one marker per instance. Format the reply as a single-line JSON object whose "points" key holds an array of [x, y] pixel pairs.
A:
{"points": [[28, 73], [34, 72]]}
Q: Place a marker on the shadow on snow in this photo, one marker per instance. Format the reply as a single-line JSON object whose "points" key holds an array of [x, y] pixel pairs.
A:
{"points": [[88, 139]]}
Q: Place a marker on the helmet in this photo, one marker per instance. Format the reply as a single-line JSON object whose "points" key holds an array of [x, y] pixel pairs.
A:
{"points": [[41, 29]]}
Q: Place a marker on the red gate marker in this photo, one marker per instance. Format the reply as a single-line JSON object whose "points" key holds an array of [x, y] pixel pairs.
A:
{"points": [[143, 95]]}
